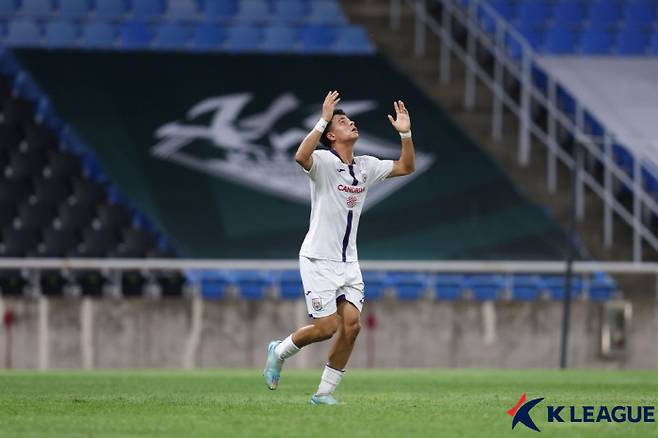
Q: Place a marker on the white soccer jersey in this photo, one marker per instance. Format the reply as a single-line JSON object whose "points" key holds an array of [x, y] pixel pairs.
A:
{"points": [[338, 192]]}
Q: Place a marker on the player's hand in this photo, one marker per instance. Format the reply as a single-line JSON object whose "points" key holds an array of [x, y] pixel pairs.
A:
{"points": [[329, 104], [401, 123]]}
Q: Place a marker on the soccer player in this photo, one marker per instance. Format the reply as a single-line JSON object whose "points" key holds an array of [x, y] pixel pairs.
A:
{"points": [[328, 261]]}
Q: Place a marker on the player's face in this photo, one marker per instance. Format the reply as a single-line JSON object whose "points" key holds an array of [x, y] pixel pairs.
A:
{"points": [[343, 129]]}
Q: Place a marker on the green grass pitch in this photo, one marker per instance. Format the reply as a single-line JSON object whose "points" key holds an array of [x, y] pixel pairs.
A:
{"points": [[234, 403]]}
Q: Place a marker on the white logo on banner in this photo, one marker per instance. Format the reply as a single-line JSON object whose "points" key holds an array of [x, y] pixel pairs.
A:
{"points": [[257, 156]]}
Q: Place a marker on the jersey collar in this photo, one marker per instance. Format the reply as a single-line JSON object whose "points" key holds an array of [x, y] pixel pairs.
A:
{"points": [[333, 151]]}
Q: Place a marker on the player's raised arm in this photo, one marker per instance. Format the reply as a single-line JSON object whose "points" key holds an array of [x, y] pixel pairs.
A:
{"points": [[402, 123], [305, 150]]}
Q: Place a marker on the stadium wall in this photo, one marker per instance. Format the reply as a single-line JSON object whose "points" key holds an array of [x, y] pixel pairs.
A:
{"points": [[135, 333]]}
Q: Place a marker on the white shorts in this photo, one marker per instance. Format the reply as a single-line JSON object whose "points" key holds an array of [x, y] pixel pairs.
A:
{"points": [[328, 282]]}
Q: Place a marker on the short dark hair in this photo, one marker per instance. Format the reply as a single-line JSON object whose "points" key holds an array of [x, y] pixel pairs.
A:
{"points": [[323, 138]]}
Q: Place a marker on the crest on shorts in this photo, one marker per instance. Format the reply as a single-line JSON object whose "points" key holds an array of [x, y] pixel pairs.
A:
{"points": [[317, 303]]}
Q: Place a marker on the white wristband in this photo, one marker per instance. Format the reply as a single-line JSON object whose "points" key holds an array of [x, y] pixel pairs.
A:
{"points": [[321, 125], [405, 134]]}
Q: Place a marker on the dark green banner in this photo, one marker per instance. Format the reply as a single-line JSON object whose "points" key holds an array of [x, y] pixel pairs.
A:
{"points": [[204, 143]]}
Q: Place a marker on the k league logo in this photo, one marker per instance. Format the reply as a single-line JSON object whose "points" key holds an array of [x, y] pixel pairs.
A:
{"points": [[256, 150]]}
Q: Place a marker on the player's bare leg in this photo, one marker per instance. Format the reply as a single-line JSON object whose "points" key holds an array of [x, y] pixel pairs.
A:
{"points": [[340, 353]]}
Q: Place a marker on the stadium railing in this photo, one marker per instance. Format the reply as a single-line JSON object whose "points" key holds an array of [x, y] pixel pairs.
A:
{"points": [[522, 71]]}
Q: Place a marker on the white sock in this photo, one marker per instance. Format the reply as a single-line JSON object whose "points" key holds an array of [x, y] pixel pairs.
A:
{"points": [[330, 380], [286, 349]]}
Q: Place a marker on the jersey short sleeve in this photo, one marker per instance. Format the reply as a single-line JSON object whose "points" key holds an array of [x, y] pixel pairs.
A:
{"points": [[377, 170], [320, 161]]}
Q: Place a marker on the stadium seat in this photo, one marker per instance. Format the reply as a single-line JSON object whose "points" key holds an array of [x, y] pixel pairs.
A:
{"points": [[74, 216], [533, 12], [23, 33], [448, 287], [182, 10], [37, 8], [596, 42], [135, 243], [7, 214], [253, 285], [525, 287], [74, 9], [352, 39], [12, 282], [114, 216], [110, 9], [286, 11], [409, 286], [13, 191], [601, 288], [506, 8], [213, 284], [279, 38], [98, 35], [26, 164], [62, 165], [290, 285], [559, 40], [514, 48], [51, 191], [317, 38], [243, 38], [39, 137], [10, 136], [220, 9], [484, 287], [60, 34], [135, 35], [568, 12], [97, 243], [631, 41], [555, 285], [88, 192], [209, 37], [639, 14], [58, 243], [52, 282], [171, 36], [603, 13], [35, 215], [653, 47], [18, 242], [325, 12], [253, 11], [146, 10]]}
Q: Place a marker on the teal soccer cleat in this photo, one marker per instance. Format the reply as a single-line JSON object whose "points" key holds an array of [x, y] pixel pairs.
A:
{"points": [[272, 370], [323, 400]]}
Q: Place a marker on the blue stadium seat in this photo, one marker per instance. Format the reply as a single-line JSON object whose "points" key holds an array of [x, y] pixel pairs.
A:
{"points": [[7, 8], [639, 13], [253, 285], [98, 34], [253, 11], [74, 8], [182, 10], [525, 287], [603, 13], [555, 285], [326, 12], [601, 288], [25, 86], [279, 38], [317, 38], [37, 8], [650, 179], [23, 33], [134, 35], [653, 46], [485, 287], [213, 284], [631, 41], [243, 38], [110, 9], [219, 9], [506, 8], [290, 11], [146, 10], [375, 284], [171, 36], [623, 158], [535, 12], [352, 39], [209, 37], [290, 285], [568, 12], [409, 285], [532, 35], [596, 42], [448, 287], [559, 40], [61, 33]]}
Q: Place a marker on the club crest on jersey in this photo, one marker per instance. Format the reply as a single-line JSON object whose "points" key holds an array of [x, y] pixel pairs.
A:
{"points": [[352, 201], [317, 304], [243, 132]]}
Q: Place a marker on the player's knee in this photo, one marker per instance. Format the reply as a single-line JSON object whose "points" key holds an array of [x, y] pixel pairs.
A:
{"points": [[352, 329]]}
